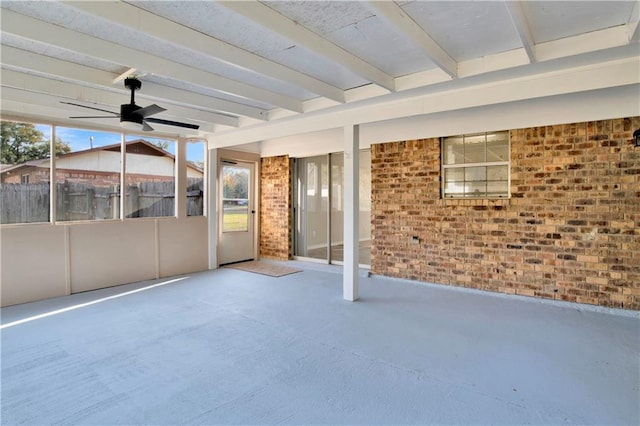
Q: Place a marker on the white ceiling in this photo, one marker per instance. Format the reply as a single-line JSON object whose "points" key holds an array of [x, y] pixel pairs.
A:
{"points": [[228, 66]]}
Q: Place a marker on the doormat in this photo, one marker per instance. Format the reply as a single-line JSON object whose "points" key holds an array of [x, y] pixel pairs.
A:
{"points": [[263, 268]]}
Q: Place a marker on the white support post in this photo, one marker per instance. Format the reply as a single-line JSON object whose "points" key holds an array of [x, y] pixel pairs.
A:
{"points": [[53, 207], [212, 205], [123, 176], [181, 178], [351, 212]]}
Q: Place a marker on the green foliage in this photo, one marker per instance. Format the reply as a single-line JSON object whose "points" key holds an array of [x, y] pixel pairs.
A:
{"points": [[161, 144], [236, 182], [22, 142]]}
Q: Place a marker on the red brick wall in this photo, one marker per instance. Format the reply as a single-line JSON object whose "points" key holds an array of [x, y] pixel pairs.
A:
{"points": [[275, 207], [36, 175], [90, 177], [571, 230], [97, 178]]}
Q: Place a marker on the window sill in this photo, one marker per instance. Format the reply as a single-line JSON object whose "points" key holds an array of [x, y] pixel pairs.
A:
{"points": [[475, 201]]}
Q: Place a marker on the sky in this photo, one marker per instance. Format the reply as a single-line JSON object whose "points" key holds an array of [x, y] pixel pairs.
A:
{"points": [[80, 139]]}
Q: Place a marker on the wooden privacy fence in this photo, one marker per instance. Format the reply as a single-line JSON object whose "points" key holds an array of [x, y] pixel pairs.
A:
{"points": [[26, 203], [82, 201]]}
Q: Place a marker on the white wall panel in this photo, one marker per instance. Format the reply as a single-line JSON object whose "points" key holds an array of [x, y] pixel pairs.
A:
{"points": [[33, 263], [112, 253], [182, 245], [40, 261], [599, 104], [578, 107]]}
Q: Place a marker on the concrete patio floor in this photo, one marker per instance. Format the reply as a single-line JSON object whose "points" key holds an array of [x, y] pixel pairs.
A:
{"points": [[232, 347]]}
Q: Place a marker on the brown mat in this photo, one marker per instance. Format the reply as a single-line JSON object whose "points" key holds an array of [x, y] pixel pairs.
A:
{"points": [[264, 268]]}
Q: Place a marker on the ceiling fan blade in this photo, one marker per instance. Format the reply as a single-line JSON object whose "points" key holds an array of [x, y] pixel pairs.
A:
{"points": [[146, 127], [84, 106], [149, 110], [172, 123], [95, 116]]}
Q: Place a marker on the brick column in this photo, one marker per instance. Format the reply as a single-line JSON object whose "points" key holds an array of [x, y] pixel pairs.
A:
{"points": [[275, 207]]}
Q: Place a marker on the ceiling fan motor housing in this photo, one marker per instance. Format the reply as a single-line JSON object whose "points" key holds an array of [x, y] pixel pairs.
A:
{"points": [[132, 83], [128, 113]]}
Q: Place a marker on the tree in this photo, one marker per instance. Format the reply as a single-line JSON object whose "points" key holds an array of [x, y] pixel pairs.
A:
{"points": [[236, 182], [22, 142], [161, 144]]}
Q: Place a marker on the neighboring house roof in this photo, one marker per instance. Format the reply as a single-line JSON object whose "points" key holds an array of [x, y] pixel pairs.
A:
{"points": [[11, 168], [138, 146]]}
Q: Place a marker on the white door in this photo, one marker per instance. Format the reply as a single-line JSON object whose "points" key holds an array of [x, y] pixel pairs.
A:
{"points": [[237, 219]]}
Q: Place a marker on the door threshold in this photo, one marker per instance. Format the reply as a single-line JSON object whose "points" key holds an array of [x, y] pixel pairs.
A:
{"points": [[234, 262], [311, 259]]}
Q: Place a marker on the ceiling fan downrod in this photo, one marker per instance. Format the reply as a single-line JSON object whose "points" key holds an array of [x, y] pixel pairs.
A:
{"points": [[132, 84]]}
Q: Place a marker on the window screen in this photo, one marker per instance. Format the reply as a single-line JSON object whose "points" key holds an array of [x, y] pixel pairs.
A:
{"points": [[476, 166]]}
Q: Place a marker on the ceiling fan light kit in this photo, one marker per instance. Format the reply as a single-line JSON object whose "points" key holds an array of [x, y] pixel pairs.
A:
{"points": [[135, 117], [130, 125]]}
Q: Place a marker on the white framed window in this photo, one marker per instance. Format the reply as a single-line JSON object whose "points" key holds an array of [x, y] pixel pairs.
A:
{"points": [[196, 154], [88, 175], [25, 193], [150, 177], [476, 165]]}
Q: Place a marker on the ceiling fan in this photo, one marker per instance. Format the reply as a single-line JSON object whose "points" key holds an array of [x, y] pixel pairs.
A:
{"points": [[133, 116]]}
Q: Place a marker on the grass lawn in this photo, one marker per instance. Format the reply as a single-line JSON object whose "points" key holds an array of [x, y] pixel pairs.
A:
{"points": [[235, 220]]}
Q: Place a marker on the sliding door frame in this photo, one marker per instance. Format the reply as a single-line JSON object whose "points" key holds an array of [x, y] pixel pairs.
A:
{"points": [[299, 206]]}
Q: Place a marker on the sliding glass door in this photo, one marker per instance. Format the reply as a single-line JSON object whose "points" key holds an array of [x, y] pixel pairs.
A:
{"points": [[311, 207], [319, 208]]}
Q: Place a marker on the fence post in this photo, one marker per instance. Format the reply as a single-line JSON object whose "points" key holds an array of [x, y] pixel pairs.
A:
{"points": [[91, 203], [62, 192], [114, 201], [132, 201], [4, 211], [24, 205]]}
